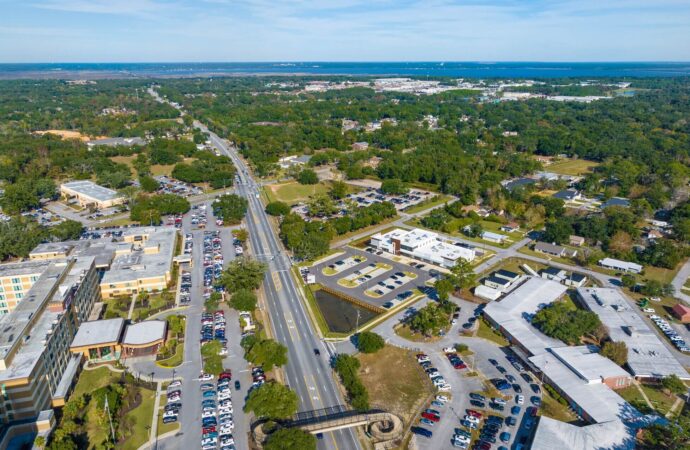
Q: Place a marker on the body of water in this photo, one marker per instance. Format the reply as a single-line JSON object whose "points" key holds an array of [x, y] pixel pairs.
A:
{"points": [[436, 69], [341, 316]]}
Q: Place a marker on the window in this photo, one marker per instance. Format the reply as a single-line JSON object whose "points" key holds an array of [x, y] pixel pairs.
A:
{"points": [[34, 278], [16, 280], [17, 288], [2, 296], [19, 295]]}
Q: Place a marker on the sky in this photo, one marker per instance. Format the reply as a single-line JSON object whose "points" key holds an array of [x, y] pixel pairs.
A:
{"points": [[343, 30]]}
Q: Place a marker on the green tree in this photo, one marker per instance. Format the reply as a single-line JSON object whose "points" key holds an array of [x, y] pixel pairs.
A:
{"points": [[148, 183], [243, 273], [211, 303], [272, 400], [277, 208], [628, 280], [243, 300], [40, 442], [307, 176], [347, 367], [566, 323], [231, 208], [430, 319], [369, 342], [338, 190], [268, 353], [67, 230], [394, 186], [616, 351], [291, 439], [674, 384], [321, 206]]}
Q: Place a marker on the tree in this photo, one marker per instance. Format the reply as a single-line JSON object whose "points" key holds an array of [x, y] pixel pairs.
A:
{"points": [[338, 190], [369, 342], [211, 303], [569, 324], [307, 176], [268, 353], [394, 186], [616, 351], [272, 400], [243, 300], [231, 208], [148, 183], [277, 208], [620, 243], [40, 442], [347, 367], [674, 384], [241, 235], [176, 324], [430, 319], [628, 280], [291, 439], [67, 230], [321, 206], [243, 273], [558, 231]]}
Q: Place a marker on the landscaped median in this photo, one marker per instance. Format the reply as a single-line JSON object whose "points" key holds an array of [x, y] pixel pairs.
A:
{"points": [[172, 353]]}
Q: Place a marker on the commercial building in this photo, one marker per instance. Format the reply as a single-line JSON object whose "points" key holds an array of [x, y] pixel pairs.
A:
{"points": [[617, 264], [137, 259], [422, 245], [648, 357], [15, 281], [99, 340], [493, 237], [89, 194], [37, 369], [579, 374], [572, 279], [144, 338], [116, 142]]}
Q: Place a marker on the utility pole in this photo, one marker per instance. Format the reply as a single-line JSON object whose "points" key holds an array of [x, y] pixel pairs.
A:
{"points": [[106, 408]]}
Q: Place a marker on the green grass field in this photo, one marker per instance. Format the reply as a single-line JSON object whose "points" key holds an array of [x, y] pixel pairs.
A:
{"points": [[575, 167], [294, 192], [141, 421], [434, 201]]}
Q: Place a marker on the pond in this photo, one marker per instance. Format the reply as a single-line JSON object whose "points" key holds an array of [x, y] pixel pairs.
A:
{"points": [[340, 315]]}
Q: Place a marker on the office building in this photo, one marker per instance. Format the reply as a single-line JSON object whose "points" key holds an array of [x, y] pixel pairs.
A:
{"points": [[89, 194], [422, 245]]}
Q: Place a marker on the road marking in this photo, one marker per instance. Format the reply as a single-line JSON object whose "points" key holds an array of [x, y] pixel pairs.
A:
{"points": [[276, 281]]}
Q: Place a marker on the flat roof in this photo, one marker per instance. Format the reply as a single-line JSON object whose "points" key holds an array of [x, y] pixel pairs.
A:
{"points": [[514, 310], [145, 332], [619, 263], [647, 354], [589, 364], [92, 190], [493, 235], [52, 247], [98, 332], [23, 268]]}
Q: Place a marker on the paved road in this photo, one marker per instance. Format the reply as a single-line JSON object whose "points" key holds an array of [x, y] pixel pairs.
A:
{"points": [[309, 375], [679, 280]]}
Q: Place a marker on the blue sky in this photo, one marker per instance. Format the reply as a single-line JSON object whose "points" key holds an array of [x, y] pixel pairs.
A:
{"points": [[344, 30]]}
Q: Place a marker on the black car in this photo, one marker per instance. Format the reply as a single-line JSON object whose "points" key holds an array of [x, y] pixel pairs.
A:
{"points": [[237, 385], [478, 403], [517, 388], [525, 376], [317, 352], [170, 419], [535, 388]]}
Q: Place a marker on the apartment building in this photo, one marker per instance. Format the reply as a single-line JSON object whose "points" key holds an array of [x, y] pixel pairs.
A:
{"points": [[37, 369], [15, 281]]}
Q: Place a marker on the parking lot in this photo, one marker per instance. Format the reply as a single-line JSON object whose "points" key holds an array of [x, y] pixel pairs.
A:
{"points": [[362, 279], [172, 186]]}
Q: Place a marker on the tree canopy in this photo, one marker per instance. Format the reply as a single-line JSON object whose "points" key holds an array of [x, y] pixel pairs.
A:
{"points": [[272, 400]]}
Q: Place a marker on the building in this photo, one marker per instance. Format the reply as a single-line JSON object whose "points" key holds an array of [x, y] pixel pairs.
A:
{"points": [[37, 369], [293, 160], [554, 274], [554, 250], [681, 312], [115, 142], [487, 293], [507, 275], [500, 284], [518, 183], [622, 266], [648, 357], [493, 237], [99, 340], [616, 201], [585, 379], [89, 194], [144, 338], [422, 245], [15, 281], [360, 146], [510, 227], [577, 241], [138, 259], [575, 280], [567, 195]]}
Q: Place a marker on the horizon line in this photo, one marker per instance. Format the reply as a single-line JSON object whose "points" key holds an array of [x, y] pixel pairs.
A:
{"points": [[488, 62]]}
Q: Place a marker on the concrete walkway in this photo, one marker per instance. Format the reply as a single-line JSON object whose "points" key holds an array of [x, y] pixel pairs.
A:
{"points": [[131, 306], [154, 418], [679, 280]]}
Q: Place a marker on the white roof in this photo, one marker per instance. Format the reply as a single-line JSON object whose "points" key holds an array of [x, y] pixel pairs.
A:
{"points": [[647, 355], [588, 364], [611, 262], [92, 190], [417, 237], [486, 292], [554, 434], [512, 311], [143, 333], [98, 332], [491, 235]]}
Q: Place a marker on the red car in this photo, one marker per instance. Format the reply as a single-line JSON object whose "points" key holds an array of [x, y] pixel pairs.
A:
{"points": [[485, 446], [206, 430], [460, 366], [474, 413], [225, 375], [432, 417]]}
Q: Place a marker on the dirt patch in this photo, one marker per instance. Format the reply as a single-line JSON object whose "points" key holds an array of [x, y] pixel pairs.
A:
{"points": [[67, 134]]}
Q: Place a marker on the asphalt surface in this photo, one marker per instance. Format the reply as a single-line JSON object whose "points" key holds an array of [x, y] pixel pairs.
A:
{"points": [[309, 375]]}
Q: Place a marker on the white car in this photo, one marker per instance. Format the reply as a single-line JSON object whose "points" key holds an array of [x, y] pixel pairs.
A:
{"points": [[175, 383], [442, 398], [471, 419], [444, 387], [649, 310], [449, 350], [205, 377], [519, 399], [498, 401], [206, 414]]}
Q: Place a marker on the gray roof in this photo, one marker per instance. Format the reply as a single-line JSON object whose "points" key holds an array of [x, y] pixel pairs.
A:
{"points": [[92, 190], [143, 333], [52, 247], [588, 364], [513, 184], [138, 264], [98, 332], [566, 194], [553, 434], [548, 248], [23, 268], [616, 201], [112, 142], [647, 355]]}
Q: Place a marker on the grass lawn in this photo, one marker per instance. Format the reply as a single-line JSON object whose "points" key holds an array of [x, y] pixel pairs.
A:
{"points": [[165, 427], [665, 276], [660, 401], [141, 420], [293, 192], [515, 265], [575, 167], [403, 394], [91, 380], [486, 332], [405, 332], [528, 251], [349, 234], [550, 407], [174, 360], [430, 203]]}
